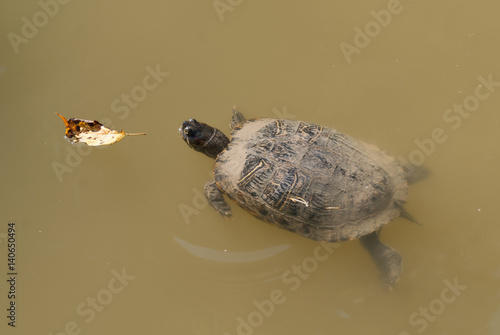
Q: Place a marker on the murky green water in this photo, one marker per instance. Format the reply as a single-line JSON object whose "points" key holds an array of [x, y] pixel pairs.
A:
{"points": [[118, 240]]}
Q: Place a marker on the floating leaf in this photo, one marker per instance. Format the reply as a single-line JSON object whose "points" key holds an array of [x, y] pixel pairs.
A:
{"points": [[91, 133]]}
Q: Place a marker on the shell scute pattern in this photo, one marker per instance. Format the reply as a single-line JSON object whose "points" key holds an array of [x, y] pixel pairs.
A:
{"points": [[310, 179], [255, 175]]}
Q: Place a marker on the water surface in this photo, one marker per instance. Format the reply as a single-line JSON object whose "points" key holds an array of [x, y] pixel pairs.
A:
{"points": [[103, 244]]}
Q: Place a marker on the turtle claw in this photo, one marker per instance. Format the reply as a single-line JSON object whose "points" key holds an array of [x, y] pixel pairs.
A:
{"points": [[391, 268]]}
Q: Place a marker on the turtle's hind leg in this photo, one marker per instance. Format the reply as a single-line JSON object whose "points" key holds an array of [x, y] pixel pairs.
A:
{"points": [[388, 260], [414, 173], [216, 198]]}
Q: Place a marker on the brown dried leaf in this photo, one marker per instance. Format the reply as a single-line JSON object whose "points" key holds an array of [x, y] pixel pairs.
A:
{"points": [[92, 133]]}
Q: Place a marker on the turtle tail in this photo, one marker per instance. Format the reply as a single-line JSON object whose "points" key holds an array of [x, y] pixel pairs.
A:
{"points": [[404, 213]]}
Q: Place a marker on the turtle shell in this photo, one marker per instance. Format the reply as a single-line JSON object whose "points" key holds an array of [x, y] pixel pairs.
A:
{"points": [[309, 179]]}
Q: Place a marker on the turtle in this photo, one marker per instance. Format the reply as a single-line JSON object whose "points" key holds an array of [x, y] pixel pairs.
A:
{"points": [[306, 178]]}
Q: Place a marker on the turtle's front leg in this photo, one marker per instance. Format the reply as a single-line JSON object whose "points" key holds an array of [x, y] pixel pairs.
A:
{"points": [[216, 198], [236, 119]]}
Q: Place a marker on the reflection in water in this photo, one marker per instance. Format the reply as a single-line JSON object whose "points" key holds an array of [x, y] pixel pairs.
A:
{"points": [[228, 278], [230, 256]]}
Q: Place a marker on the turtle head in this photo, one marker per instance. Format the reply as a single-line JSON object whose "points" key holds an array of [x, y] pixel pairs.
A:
{"points": [[203, 138]]}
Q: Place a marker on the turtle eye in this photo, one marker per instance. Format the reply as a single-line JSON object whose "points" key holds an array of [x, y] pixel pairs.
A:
{"points": [[192, 132], [189, 131]]}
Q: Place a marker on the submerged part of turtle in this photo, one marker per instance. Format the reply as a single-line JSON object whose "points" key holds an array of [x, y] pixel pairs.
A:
{"points": [[305, 178]]}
